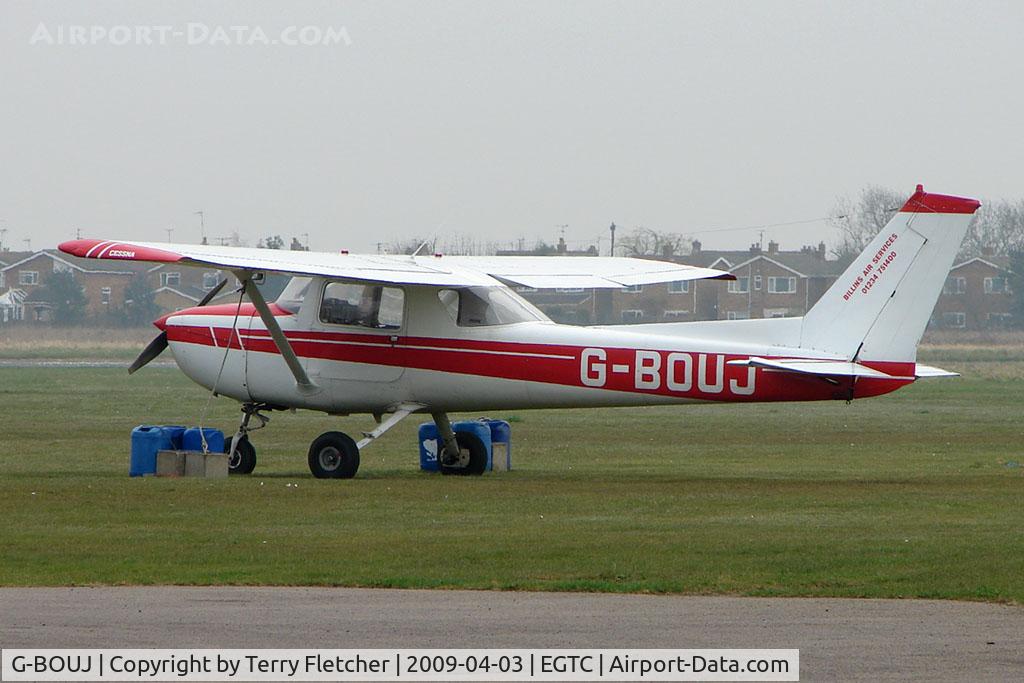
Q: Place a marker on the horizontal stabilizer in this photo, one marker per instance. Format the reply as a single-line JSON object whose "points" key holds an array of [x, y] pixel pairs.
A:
{"points": [[929, 371], [810, 366]]}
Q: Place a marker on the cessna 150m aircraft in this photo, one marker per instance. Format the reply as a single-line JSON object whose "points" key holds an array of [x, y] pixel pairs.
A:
{"points": [[396, 335]]}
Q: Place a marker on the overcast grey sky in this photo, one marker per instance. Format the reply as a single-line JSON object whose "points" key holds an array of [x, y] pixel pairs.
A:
{"points": [[501, 120]]}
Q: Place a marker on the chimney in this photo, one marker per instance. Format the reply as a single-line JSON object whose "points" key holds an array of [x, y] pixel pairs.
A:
{"points": [[755, 248], [773, 247], [695, 248], [988, 251], [821, 250]]}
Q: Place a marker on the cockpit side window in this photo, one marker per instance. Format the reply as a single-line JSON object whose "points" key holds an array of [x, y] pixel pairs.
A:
{"points": [[373, 306]]}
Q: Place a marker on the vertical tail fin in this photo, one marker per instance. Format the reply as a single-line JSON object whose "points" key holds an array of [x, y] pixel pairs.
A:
{"points": [[880, 305]]}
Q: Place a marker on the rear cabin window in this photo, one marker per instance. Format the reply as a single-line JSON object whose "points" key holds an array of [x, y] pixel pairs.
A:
{"points": [[483, 306], [373, 306]]}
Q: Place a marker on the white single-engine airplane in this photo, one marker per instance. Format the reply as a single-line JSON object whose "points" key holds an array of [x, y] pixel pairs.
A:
{"points": [[396, 335]]}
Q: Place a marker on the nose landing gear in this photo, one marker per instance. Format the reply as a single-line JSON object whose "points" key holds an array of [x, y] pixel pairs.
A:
{"points": [[241, 453]]}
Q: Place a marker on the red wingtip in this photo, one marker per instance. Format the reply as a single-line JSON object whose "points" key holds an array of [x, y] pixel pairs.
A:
{"points": [[121, 251], [923, 202], [77, 247]]}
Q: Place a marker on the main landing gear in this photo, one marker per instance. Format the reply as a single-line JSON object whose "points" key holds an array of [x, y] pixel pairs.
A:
{"points": [[460, 453], [335, 455]]}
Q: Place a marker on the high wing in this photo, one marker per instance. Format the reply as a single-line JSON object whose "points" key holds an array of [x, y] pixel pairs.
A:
{"points": [[393, 269], [446, 271], [595, 272]]}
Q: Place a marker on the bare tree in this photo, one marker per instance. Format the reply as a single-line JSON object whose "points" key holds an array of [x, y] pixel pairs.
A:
{"points": [[859, 220], [453, 244], [997, 226], [643, 241], [409, 245]]}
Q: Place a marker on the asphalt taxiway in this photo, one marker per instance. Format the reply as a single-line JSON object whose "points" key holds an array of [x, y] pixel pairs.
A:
{"points": [[838, 639]]}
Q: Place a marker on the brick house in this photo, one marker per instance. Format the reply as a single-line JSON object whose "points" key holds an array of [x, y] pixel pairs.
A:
{"points": [[663, 302], [976, 295], [176, 287], [774, 283], [103, 282], [768, 284]]}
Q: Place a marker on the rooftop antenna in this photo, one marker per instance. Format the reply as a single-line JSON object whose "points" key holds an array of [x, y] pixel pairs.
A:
{"points": [[202, 224], [78, 233], [562, 228], [28, 243], [169, 231]]}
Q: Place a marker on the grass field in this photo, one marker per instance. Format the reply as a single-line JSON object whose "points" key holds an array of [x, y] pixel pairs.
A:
{"points": [[917, 494]]}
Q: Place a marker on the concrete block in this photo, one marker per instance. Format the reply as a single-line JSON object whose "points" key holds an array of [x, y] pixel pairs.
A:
{"points": [[499, 457], [209, 465], [216, 466], [195, 464], [170, 463]]}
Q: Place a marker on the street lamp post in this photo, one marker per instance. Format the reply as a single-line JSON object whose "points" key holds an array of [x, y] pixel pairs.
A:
{"points": [[202, 224]]}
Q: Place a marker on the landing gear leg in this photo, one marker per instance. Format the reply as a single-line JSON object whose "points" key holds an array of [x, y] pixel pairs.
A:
{"points": [[449, 455], [461, 453], [241, 453]]}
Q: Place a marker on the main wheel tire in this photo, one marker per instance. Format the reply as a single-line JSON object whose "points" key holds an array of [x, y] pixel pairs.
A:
{"points": [[244, 460], [334, 455], [474, 456]]}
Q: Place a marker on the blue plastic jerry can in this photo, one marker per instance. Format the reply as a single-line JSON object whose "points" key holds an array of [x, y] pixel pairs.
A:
{"points": [[430, 442], [501, 444], [192, 440], [146, 441]]}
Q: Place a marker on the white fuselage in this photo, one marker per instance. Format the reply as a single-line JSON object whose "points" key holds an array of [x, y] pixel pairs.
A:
{"points": [[431, 359]]}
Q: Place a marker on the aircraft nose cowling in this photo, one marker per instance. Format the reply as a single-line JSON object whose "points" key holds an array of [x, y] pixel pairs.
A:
{"points": [[161, 323]]}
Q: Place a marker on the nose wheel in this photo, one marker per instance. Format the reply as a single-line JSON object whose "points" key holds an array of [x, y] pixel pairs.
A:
{"points": [[243, 460]]}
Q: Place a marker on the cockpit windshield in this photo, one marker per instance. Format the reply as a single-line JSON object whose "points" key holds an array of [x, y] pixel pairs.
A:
{"points": [[483, 306], [294, 293]]}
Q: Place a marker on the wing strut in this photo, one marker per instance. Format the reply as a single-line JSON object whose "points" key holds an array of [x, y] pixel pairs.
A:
{"points": [[281, 341]]}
